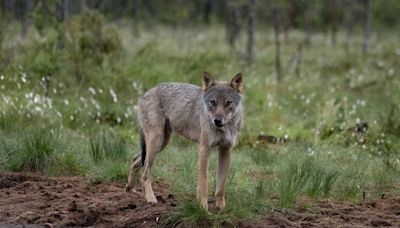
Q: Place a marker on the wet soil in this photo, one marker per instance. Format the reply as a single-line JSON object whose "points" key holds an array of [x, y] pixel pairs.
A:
{"points": [[384, 212], [27, 198], [33, 200]]}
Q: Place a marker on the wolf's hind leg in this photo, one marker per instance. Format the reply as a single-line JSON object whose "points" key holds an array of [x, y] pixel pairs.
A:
{"points": [[154, 141], [136, 161]]}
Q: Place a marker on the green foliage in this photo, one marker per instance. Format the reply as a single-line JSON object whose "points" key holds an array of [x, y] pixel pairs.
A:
{"points": [[110, 158], [262, 157], [46, 61], [104, 147], [34, 151], [351, 185], [96, 150], [304, 175], [69, 163], [192, 214], [89, 39], [8, 122], [385, 13], [44, 15], [110, 170], [40, 149]]}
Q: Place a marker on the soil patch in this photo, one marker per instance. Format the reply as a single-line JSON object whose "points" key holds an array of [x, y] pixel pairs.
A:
{"points": [[32, 200], [39, 201], [384, 212]]}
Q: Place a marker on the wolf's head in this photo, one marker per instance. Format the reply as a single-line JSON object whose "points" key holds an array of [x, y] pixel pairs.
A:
{"points": [[222, 98]]}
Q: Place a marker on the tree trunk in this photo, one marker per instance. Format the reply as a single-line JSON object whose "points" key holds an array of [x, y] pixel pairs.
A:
{"points": [[83, 5], [118, 9], [310, 17], [62, 13], [276, 17], [149, 4], [93, 4], [3, 9], [367, 25], [286, 19], [26, 19], [334, 20], [135, 7], [9, 6], [232, 25], [349, 22], [207, 11], [250, 30]]}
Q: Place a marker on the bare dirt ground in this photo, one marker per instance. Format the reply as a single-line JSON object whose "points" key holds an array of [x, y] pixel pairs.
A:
{"points": [[32, 200], [384, 212], [74, 201]]}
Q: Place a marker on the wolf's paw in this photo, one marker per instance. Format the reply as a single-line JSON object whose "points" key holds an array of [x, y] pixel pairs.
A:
{"points": [[128, 188], [204, 203], [150, 198], [220, 203]]}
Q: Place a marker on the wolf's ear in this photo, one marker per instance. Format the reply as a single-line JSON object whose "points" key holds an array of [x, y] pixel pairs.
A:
{"points": [[208, 81], [236, 82]]}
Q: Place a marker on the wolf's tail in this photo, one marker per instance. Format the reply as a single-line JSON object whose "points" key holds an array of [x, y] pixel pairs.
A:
{"points": [[142, 146]]}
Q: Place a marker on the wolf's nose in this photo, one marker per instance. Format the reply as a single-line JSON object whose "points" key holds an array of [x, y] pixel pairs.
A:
{"points": [[218, 122]]}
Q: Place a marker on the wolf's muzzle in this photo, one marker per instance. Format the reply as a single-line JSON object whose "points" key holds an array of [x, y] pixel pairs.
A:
{"points": [[218, 123]]}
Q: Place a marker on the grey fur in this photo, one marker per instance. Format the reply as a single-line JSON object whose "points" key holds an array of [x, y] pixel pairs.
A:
{"points": [[211, 116]]}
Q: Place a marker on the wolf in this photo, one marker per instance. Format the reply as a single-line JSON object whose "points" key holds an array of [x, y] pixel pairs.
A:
{"points": [[211, 115]]}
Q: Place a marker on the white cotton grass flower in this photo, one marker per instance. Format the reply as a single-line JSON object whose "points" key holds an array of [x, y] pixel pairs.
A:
{"points": [[92, 90], [310, 152], [391, 72], [113, 95]]}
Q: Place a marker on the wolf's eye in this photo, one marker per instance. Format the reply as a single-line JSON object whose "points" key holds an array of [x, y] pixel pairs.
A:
{"points": [[213, 102], [227, 103]]}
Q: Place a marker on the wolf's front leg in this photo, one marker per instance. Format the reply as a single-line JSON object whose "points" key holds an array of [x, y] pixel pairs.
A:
{"points": [[202, 188], [222, 175]]}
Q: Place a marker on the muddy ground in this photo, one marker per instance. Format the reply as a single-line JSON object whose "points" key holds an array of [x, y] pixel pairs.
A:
{"points": [[39, 201]]}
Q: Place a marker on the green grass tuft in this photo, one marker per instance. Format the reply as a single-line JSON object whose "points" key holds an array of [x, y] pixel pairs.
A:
{"points": [[105, 147], [304, 176], [34, 150], [109, 170], [192, 214]]}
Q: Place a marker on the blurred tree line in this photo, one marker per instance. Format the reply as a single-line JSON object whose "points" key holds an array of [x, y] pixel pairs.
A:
{"points": [[239, 17], [298, 14]]}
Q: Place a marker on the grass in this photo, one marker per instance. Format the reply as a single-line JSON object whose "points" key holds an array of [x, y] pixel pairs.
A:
{"points": [[86, 122], [192, 214], [110, 157], [304, 175], [34, 150]]}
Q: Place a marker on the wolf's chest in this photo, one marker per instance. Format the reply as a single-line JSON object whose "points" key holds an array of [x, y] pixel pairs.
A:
{"points": [[221, 138]]}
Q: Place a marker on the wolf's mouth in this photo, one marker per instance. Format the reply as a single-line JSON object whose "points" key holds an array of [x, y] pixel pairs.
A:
{"points": [[218, 123]]}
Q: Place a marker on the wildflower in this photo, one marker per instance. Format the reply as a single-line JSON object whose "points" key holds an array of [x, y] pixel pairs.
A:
{"points": [[91, 90], [113, 95]]}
